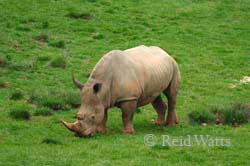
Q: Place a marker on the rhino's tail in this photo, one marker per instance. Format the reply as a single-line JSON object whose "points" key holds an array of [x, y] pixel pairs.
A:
{"points": [[173, 87]]}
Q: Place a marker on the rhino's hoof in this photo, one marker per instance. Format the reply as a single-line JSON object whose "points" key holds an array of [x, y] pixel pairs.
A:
{"points": [[102, 130], [172, 122], [177, 120], [159, 123], [128, 131]]}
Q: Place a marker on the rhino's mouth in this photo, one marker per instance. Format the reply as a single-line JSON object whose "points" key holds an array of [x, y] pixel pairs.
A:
{"points": [[88, 133]]}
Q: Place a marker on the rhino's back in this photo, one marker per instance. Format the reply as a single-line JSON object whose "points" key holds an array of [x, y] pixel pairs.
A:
{"points": [[140, 73]]}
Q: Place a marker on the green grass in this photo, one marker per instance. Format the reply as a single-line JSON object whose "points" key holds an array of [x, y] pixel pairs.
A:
{"points": [[208, 39], [43, 111], [199, 117], [2, 62], [58, 62], [237, 113], [50, 141], [4, 84], [16, 95], [58, 44], [42, 38], [55, 99], [20, 111]]}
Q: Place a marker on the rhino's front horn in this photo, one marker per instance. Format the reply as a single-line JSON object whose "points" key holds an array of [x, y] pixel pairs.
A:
{"points": [[77, 83], [71, 126]]}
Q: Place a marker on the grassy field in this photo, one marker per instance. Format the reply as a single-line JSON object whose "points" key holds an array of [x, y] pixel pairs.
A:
{"points": [[43, 42]]}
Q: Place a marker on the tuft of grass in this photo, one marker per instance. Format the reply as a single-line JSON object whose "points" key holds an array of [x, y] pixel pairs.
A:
{"points": [[43, 58], [92, 1], [160, 147], [55, 100], [57, 43], [234, 114], [16, 95], [78, 15], [51, 141], [98, 36], [22, 66], [237, 113], [23, 28], [72, 98], [138, 110], [20, 112], [198, 117], [44, 111], [59, 61], [27, 20], [45, 24]]}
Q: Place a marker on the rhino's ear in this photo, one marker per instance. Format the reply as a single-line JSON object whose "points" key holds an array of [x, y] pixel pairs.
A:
{"points": [[97, 87]]}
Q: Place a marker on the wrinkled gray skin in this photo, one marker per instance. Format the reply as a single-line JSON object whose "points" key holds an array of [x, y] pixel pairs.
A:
{"points": [[127, 79]]}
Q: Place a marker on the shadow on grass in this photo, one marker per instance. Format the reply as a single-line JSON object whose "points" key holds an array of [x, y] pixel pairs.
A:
{"points": [[50, 141]]}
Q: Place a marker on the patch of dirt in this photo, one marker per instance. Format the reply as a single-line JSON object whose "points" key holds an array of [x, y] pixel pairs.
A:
{"points": [[218, 119], [246, 79], [246, 106], [30, 23], [236, 125], [87, 17], [87, 61], [113, 132], [5, 85], [76, 15], [42, 38], [2, 62], [23, 78], [17, 46], [232, 86], [56, 107]]}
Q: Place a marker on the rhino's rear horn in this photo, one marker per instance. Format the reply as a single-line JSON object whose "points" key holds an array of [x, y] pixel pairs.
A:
{"points": [[77, 83]]}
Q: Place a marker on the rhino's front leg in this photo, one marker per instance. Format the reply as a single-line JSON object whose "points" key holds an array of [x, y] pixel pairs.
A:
{"points": [[102, 127], [128, 109]]}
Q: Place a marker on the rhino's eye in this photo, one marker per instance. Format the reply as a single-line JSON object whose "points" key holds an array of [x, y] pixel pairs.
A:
{"points": [[93, 117], [80, 117]]}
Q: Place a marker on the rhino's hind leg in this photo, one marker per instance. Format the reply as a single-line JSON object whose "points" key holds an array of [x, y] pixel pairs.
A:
{"points": [[172, 118], [171, 93], [102, 127], [128, 109], [160, 108]]}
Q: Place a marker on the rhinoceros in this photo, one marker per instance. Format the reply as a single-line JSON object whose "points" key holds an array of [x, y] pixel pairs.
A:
{"points": [[127, 79]]}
